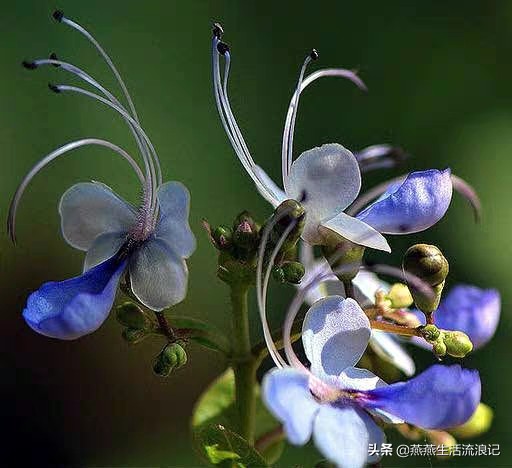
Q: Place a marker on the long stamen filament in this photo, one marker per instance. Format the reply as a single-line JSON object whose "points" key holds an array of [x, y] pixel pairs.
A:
{"points": [[11, 221]]}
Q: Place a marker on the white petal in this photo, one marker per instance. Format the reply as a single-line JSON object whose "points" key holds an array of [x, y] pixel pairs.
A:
{"points": [[391, 351], [89, 209], [327, 178], [158, 275], [104, 247], [173, 226], [356, 231], [335, 334], [275, 194], [343, 435], [354, 378]]}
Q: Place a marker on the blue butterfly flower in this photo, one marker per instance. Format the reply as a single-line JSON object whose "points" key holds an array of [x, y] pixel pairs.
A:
{"points": [[148, 243]]}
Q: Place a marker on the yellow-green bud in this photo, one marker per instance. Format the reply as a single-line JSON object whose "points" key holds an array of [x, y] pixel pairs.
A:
{"points": [[293, 272], [400, 296], [430, 332], [245, 231], [347, 255], [222, 235], [477, 424], [439, 347], [457, 343], [428, 263], [442, 438], [131, 315], [286, 213], [173, 356]]}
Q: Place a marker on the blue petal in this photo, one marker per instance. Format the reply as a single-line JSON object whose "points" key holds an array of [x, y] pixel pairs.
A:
{"points": [[286, 393], [91, 208], [415, 205], [343, 434], [439, 398], [335, 334], [471, 310], [75, 307], [158, 275], [173, 227]]}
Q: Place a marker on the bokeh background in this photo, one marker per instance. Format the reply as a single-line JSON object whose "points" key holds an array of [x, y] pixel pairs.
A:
{"points": [[439, 75]]}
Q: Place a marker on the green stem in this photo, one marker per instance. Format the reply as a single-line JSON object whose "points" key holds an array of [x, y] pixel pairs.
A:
{"points": [[244, 364]]}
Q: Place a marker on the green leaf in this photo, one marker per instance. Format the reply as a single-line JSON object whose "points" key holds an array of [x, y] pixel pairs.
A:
{"points": [[216, 407], [222, 445]]}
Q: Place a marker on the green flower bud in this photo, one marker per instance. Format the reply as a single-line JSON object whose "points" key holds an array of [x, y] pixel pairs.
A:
{"points": [[173, 356], [400, 296], [431, 333], [287, 212], [439, 348], [278, 274], [293, 272], [457, 343], [477, 424], [345, 254], [428, 263], [131, 315], [245, 231], [134, 335], [222, 236]]}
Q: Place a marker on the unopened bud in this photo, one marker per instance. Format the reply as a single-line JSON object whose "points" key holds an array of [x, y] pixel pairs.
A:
{"points": [[342, 254], [457, 343], [428, 263], [431, 333], [439, 348], [245, 231], [173, 356], [477, 424], [444, 439], [131, 315], [293, 272], [289, 211], [222, 236], [400, 296]]}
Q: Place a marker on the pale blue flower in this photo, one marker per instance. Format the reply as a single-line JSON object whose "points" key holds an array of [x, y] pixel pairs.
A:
{"points": [[149, 242]]}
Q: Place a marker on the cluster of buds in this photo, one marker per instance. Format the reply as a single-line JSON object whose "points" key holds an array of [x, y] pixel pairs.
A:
{"points": [[239, 245]]}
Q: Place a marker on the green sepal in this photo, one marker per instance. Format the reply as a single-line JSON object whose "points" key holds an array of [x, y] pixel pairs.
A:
{"points": [[130, 315]]}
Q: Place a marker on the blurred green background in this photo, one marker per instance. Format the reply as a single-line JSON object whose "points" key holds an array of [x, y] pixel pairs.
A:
{"points": [[439, 76]]}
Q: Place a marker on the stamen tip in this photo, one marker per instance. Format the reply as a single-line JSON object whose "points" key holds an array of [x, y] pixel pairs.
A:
{"points": [[217, 30], [314, 54], [222, 48], [54, 88], [58, 15], [29, 65]]}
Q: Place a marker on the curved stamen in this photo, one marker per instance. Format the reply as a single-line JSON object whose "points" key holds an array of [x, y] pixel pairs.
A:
{"points": [[76, 71], [379, 157], [288, 131], [262, 287], [469, 193], [76, 89], [289, 125], [11, 220]]}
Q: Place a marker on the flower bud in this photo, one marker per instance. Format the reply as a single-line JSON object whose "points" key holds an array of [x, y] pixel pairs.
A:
{"points": [[341, 253], [293, 272], [428, 263], [222, 236], [131, 315], [173, 356], [477, 424], [245, 231], [457, 343], [288, 212], [431, 333], [439, 347], [400, 296], [442, 438]]}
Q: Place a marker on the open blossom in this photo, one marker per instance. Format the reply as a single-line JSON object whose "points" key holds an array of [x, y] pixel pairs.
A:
{"points": [[149, 243], [327, 180], [336, 403]]}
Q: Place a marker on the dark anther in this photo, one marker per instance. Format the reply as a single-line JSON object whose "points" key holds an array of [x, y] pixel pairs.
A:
{"points": [[314, 54], [53, 56], [29, 65], [54, 88], [222, 47], [303, 197], [58, 15], [217, 30]]}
